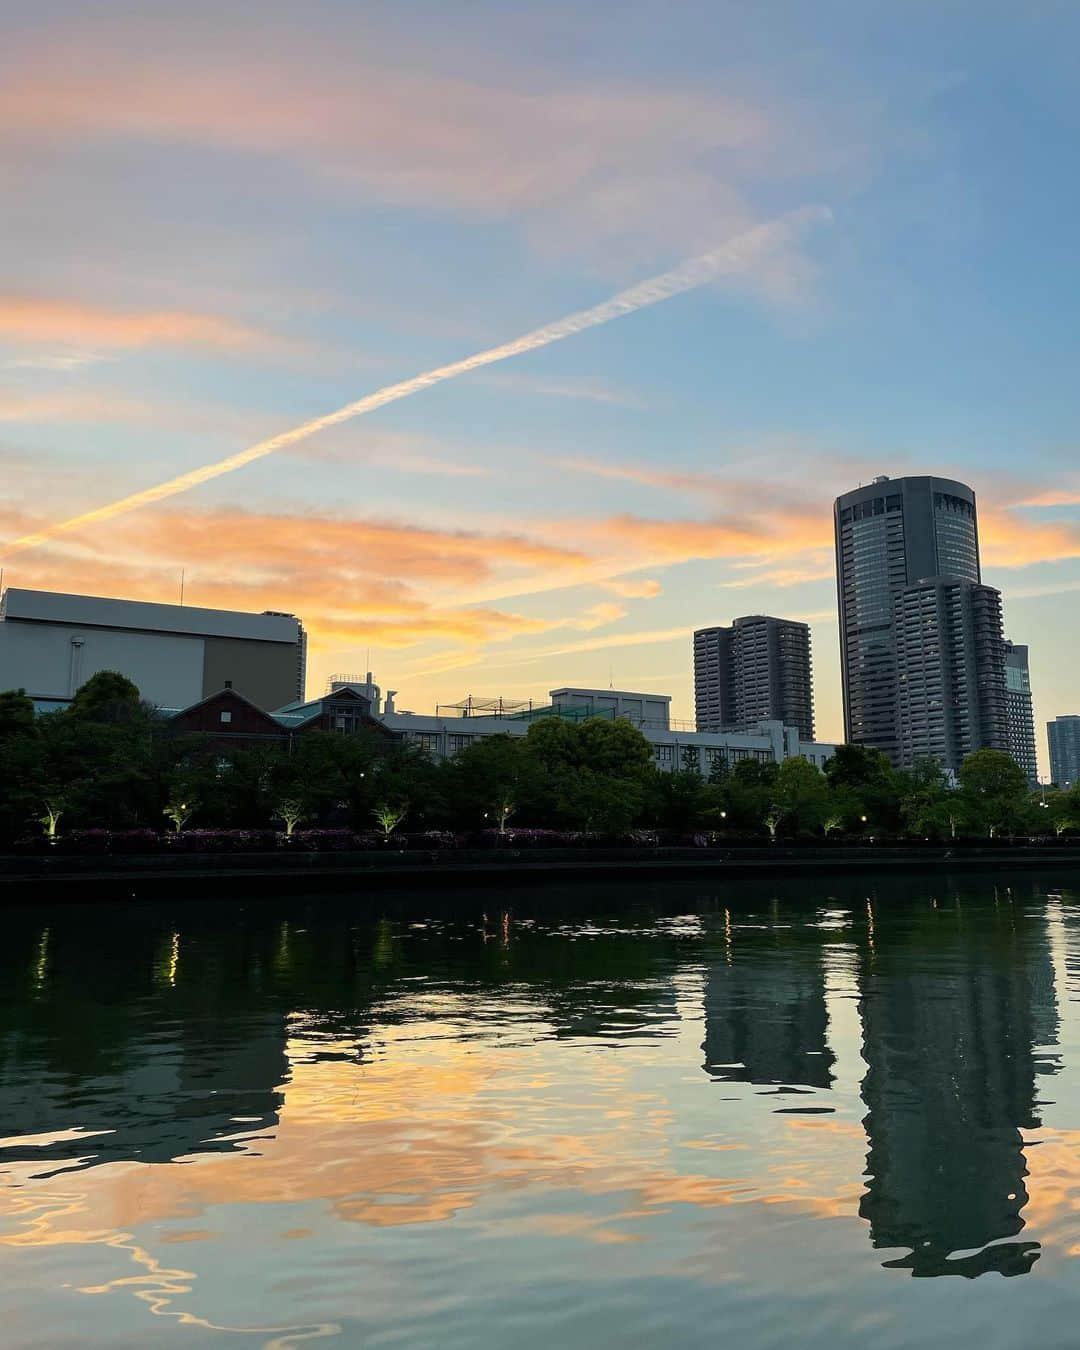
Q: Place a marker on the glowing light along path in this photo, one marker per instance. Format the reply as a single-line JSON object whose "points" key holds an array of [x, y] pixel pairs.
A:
{"points": [[732, 257]]}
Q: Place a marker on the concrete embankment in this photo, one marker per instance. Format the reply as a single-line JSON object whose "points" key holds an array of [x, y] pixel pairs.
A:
{"points": [[26, 879]]}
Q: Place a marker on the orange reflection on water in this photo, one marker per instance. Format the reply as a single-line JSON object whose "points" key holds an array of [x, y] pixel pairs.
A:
{"points": [[426, 1128]]}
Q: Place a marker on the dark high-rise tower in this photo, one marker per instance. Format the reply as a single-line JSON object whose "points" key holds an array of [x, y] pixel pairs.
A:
{"points": [[950, 672], [1018, 702], [890, 535], [756, 670], [1063, 734]]}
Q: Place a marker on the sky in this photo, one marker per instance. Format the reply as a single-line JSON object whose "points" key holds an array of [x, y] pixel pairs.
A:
{"points": [[219, 225]]}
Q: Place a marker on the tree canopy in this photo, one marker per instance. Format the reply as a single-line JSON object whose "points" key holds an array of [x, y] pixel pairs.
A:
{"points": [[106, 761]]}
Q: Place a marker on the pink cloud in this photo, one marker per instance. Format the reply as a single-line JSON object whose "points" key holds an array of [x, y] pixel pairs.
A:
{"points": [[631, 166], [43, 320]]}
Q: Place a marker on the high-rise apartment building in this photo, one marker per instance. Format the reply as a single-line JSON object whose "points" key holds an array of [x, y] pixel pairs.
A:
{"points": [[758, 669], [890, 535], [950, 677], [1018, 706], [1063, 733]]}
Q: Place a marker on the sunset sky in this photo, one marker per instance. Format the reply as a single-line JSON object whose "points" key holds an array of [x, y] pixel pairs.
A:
{"points": [[215, 227]]}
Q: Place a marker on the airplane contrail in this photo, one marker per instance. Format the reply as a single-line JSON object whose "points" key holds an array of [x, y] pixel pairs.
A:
{"points": [[730, 257]]}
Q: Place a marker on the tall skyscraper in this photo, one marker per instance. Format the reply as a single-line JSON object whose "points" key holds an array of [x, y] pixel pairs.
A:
{"points": [[758, 669], [890, 535], [1063, 733], [1018, 706], [950, 677]]}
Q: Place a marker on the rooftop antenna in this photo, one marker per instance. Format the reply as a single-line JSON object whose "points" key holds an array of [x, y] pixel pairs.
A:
{"points": [[611, 677], [181, 586]]}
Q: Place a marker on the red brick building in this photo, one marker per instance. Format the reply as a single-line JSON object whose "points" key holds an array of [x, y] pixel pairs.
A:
{"points": [[228, 718]]}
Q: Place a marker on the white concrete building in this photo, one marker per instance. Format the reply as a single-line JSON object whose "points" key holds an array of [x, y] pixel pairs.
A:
{"points": [[51, 643], [644, 710], [766, 742]]}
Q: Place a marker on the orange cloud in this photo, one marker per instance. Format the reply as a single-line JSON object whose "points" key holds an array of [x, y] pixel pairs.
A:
{"points": [[41, 320], [354, 582], [631, 589], [794, 522], [1053, 497], [1008, 539], [598, 615]]}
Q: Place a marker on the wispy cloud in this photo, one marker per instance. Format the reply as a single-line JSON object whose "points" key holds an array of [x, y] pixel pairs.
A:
{"points": [[641, 639], [59, 362], [1053, 497], [780, 576], [633, 588], [724, 260], [620, 169], [50, 321], [588, 388]]}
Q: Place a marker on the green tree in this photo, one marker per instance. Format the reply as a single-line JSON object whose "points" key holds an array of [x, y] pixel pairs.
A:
{"points": [[17, 716], [493, 779], [331, 775], [596, 802], [995, 790], [800, 794], [748, 793], [291, 812], [107, 696], [102, 769], [407, 773], [553, 743], [246, 777], [1062, 810], [614, 748], [719, 771], [869, 776], [680, 802], [925, 800]]}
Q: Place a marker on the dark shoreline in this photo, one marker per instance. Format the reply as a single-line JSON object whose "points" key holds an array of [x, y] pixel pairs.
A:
{"points": [[87, 878]]}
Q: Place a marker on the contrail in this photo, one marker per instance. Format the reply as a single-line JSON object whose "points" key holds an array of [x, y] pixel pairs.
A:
{"points": [[730, 257]]}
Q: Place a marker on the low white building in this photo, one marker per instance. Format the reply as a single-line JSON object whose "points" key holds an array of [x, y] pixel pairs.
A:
{"points": [[51, 644], [766, 742], [644, 710]]}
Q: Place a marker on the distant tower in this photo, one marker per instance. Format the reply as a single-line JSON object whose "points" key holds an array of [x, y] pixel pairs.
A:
{"points": [[1063, 735], [1018, 703], [756, 670]]}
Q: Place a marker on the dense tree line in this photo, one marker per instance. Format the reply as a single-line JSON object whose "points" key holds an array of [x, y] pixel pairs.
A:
{"points": [[107, 762]]}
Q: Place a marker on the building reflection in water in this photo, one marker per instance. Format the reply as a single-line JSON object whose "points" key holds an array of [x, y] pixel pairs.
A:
{"points": [[952, 1010], [167, 1039], [151, 1065], [765, 1013]]}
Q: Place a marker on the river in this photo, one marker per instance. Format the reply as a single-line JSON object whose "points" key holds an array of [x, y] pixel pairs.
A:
{"points": [[758, 1114]]}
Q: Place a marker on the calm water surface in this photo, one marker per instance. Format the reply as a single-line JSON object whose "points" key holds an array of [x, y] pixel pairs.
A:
{"points": [[763, 1115]]}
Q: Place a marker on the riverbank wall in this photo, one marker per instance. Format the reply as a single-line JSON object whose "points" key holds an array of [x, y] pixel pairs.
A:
{"points": [[76, 878]]}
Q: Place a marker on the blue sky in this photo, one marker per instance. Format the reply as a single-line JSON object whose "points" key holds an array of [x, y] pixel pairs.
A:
{"points": [[216, 227]]}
